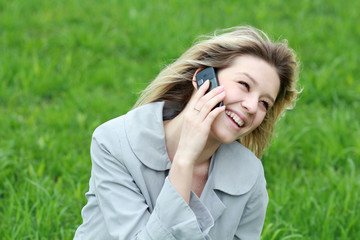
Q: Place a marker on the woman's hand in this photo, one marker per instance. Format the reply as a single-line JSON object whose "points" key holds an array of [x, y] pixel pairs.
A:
{"points": [[199, 115]]}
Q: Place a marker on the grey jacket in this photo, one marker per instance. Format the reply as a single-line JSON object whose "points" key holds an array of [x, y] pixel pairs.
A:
{"points": [[130, 196]]}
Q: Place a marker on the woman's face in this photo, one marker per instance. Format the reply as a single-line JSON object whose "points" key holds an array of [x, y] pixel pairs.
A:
{"points": [[251, 86]]}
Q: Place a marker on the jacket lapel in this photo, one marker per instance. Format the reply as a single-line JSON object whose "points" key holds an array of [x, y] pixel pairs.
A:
{"points": [[233, 171], [212, 201]]}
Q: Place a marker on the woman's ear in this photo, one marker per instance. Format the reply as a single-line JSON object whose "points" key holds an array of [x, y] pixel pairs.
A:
{"points": [[194, 77]]}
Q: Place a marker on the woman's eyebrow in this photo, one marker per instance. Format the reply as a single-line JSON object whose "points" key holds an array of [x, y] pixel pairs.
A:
{"points": [[270, 98], [249, 77]]}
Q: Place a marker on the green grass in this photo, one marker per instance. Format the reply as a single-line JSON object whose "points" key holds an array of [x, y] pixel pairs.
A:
{"points": [[67, 66]]}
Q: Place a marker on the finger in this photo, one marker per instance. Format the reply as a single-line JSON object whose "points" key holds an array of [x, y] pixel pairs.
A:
{"points": [[210, 104], [199, 93], [213, 114], [208, 96], [212, 94]]}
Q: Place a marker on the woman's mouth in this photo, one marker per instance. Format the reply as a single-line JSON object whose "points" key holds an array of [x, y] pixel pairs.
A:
{"points": [[237, 120]]}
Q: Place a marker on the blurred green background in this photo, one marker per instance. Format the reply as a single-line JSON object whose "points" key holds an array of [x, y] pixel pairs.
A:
{"points": [[67, 66]]}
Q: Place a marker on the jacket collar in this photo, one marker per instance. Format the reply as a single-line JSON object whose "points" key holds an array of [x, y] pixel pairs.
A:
{"points": [[146, 135], [235, 168]]}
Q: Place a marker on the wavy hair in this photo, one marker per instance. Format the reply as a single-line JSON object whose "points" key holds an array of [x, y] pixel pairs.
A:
{"points": [[173, 84]]}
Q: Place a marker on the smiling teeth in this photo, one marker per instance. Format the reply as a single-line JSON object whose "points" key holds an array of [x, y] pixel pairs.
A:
{"points": [[236, 119]]}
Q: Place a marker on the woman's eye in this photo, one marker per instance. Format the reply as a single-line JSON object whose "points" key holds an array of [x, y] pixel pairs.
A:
{"points": [[265, 104], [245, 85]]}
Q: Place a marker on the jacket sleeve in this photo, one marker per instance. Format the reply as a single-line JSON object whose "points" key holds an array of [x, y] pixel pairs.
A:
{"points": [[124, 209], [252, 221]]}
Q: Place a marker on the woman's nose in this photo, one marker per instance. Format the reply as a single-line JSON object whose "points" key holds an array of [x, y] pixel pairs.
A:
{"points": [[250, 104]]}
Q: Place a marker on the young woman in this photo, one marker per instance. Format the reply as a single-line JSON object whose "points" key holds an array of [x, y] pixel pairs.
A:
{"points": [[176, 166]]}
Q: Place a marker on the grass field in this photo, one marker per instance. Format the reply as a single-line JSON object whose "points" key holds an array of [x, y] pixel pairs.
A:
{"points": [[67, 66]]}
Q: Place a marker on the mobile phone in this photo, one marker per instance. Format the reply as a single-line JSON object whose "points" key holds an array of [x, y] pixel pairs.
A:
{"points": [[208, 74]]}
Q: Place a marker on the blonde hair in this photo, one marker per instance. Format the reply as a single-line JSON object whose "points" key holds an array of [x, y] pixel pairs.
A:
{"points": [[173, 84]]}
